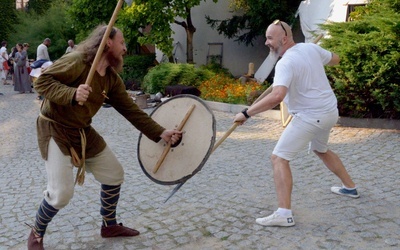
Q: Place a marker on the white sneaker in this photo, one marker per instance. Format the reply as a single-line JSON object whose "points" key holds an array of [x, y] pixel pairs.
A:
{"points": [[276, 220]]}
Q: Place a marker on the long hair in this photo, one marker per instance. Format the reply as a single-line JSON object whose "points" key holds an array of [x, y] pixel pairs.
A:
{"points": [[91, 44], [14, 50]]}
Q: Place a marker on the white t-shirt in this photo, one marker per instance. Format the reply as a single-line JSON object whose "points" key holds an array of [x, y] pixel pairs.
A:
{"points": [[69, 49], [42, 53], [3, 52], [301, 70]]}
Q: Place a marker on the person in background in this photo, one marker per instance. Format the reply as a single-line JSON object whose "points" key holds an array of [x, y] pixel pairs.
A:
{"points": [[11, 57], [4, 67], [71, 46], [36, 72], [42, 53], [66, 137], [21, 75], [301, 82]]}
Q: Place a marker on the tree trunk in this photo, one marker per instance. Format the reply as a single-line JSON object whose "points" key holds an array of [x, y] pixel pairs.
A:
{"points": [[190, 29]]}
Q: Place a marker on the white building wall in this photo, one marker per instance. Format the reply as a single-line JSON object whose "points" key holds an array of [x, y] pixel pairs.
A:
{"points": [[236, 57], [315, 12]]}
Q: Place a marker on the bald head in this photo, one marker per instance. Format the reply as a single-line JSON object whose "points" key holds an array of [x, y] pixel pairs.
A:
{"points": [[280, 28], [279, 37]]}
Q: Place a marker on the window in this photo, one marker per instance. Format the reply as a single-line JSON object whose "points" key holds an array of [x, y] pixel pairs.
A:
{"points": [[21, 4], [351, 7]]}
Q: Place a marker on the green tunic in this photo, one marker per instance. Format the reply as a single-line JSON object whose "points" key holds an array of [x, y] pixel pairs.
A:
{"points": [[58, 85]]}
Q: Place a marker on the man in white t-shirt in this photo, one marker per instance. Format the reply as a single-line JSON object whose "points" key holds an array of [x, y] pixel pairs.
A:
{"points": [[42, 52], [301, 82], [71, 46]]}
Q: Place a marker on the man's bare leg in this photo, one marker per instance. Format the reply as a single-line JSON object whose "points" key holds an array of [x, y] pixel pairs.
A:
{"points": [[283, 181], [334, 164], [283, 184]]}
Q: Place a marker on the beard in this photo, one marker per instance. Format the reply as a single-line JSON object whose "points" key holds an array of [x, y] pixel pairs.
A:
{"points": [[116, 62], [276, 51], [273, 52]]}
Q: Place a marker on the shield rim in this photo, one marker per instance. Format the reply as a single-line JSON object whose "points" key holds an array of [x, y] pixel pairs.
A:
{"points": [[209, 151]]}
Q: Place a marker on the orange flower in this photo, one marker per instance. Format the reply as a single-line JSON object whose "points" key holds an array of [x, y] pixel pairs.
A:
{"points": [[222, 88]]}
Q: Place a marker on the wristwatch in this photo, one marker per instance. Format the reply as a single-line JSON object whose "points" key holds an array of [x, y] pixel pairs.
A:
{"points": [[244, 112]]}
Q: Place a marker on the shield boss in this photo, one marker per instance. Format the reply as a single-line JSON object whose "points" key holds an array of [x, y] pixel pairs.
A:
{"points": [[187, 157]]}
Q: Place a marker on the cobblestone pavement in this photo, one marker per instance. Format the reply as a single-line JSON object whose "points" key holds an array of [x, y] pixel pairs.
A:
{"points": [[216, 209]]}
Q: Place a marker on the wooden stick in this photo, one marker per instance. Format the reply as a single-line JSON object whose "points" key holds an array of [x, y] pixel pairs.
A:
{"points": [[168, 147], [227, 133], [285, 121], [318, 38], [266, 92], [103, 44], [234, 126]]}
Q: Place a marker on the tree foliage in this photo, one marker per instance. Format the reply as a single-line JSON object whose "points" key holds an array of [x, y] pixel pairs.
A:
{"points": [[367, 81], [160, 14], [256, 16], [157, 14], [88, 14], [34, 28], [7, 19]]}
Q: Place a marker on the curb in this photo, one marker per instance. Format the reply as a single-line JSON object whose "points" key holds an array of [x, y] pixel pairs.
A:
{"points": [[369, 123], [343, 121]]}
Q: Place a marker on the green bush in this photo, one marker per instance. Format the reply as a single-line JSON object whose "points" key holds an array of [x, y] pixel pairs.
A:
{"points": [[135, 68], [367, 79], [166, 74], [216, 68]]}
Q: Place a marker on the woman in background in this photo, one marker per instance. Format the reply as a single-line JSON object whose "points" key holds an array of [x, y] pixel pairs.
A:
{"points": [[21, 74], [11, 60]]}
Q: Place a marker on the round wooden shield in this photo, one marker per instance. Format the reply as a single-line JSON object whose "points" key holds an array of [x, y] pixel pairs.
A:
{"points": [[187, 157]]}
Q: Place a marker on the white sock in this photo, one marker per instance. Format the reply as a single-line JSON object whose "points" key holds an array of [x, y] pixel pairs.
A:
{"points": [[349, 188], [284, 212]]}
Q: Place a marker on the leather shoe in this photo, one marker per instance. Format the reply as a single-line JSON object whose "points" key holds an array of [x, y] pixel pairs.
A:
{"points": [[35, 242], [118, 230]]}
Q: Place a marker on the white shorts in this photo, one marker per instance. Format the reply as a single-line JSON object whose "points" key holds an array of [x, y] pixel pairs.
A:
{"points": [[304, 129]]}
